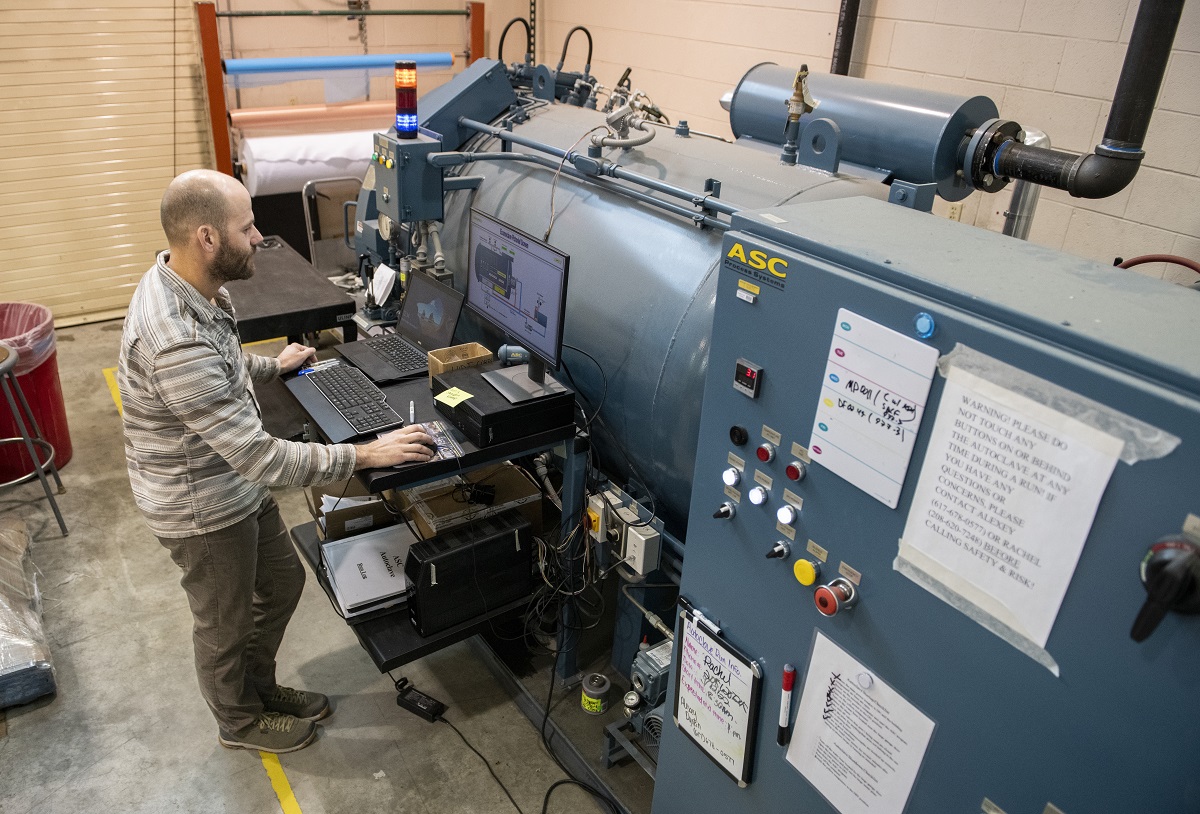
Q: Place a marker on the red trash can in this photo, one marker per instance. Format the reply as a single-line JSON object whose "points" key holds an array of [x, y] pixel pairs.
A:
{"points": [[28, 328]]}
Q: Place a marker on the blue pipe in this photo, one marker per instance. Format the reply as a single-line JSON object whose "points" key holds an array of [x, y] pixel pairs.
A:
{"points": [[240, 67]]}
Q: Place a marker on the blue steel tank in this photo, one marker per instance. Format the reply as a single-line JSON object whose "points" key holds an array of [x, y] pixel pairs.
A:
{"points": [[642, 281]]}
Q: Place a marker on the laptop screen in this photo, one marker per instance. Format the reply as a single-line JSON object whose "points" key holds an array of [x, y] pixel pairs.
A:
{"points": [[430, 312]]}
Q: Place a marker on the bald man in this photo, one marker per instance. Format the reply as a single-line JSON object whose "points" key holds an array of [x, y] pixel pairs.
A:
{"points": [[200, 463]]}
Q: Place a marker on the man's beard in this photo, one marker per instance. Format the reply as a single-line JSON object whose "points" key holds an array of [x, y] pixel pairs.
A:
{"points": [[230, 264]]}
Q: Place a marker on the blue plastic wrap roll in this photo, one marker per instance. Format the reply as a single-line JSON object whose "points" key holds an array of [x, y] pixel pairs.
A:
{"points": [[241, 67]]}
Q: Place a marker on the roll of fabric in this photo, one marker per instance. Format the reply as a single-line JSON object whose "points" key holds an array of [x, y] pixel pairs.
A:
{"points": [[280, 164], [362, 113]]}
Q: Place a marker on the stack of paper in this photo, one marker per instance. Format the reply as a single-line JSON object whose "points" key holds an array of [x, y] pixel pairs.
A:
{"points": [[366, 572]]}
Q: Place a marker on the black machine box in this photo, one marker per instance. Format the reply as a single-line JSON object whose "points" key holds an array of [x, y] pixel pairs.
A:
{"points": [[489, 418], [469, 571]]}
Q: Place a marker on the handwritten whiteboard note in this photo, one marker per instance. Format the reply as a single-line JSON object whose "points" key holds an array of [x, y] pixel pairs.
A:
{"points": [[872, 398], [858, 741], [1005, 501], [716, 698]]}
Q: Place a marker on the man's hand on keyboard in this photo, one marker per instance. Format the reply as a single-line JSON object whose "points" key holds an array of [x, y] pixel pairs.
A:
{"points": [[410, 444], [295, 355]]}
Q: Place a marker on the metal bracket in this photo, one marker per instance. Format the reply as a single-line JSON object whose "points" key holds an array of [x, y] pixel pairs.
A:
{"points": [[462, 182], [914, 196], [543, 83], [820, 145]]}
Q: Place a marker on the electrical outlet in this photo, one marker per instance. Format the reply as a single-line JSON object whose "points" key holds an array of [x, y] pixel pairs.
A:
{"points": [[954, 211], [642, 548]]}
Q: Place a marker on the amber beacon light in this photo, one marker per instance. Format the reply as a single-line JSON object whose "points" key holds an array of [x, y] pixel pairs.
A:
{"points": [[406, 99]]}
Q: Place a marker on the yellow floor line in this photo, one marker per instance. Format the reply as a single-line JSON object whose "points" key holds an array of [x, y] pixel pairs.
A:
{"points": [[279, 782], [110, 376]]}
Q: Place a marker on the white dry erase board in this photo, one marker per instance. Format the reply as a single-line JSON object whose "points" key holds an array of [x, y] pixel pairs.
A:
{"points": [[717, 690]]}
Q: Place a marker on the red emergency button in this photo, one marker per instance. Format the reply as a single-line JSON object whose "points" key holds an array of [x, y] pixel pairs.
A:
{"points": [[766, 452], [835, 597]]}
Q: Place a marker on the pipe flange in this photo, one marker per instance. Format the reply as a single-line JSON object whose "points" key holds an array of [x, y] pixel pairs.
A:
{"points": [[981, 150]]}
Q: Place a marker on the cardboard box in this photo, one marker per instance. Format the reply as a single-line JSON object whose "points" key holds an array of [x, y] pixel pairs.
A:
{"points": [[437, 510], [345, 521], [468, 355]]}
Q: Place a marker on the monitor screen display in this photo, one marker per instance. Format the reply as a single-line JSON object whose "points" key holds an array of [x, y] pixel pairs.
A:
{"points": [[518, 284], [430, 312]]}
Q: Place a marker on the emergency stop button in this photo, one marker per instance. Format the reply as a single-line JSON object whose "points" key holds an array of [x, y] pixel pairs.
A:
{"points": [[837, 596]]}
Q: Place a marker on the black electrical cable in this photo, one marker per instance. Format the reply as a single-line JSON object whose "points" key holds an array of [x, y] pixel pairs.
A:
{"points": [[603, 380], [486, 763], [599, 795]]}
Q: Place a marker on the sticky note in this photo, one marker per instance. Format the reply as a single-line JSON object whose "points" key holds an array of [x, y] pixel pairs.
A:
{"points": [[452, 397]]}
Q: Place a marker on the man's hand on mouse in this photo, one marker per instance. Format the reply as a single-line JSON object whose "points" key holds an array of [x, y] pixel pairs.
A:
{"points": [[410, 444], [294, 355]]}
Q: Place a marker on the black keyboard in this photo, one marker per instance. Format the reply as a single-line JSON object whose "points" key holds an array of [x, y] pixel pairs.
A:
{"points": [[399, 351], [356, 397]]}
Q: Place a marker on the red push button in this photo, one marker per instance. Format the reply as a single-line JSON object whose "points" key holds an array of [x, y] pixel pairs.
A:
{"points": [[796, 471], [766, 452], [835, 597]]}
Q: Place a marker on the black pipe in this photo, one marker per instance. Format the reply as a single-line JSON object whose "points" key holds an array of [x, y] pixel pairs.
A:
{"points": [[1119, 155], [1142, 75], [528, 40], [843, 39]]}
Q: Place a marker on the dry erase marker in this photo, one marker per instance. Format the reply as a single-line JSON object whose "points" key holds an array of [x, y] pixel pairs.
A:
{"points": [[785, 703]]}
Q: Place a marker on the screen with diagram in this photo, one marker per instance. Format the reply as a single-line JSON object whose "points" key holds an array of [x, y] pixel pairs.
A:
{"points": [[518, 284]]}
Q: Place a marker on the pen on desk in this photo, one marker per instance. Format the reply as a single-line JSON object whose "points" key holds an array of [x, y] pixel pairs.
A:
{"points": [[785, 704], [316, 365], [412, 412]]}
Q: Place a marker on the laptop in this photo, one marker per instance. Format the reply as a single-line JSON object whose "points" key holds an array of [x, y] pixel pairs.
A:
{"points": [[427, 319]]}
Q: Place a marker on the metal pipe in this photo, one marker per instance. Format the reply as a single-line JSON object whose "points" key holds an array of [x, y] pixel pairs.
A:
{"points": [[452, 12], [636, 123], [1018, 218], [455, 159], [1116, 160], [703, 199], [606, 168], [1142, 73], [843, 39], [435, 239]]}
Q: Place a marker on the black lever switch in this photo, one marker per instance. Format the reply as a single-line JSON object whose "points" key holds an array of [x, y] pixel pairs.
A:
{"points": [[1171, 574]]}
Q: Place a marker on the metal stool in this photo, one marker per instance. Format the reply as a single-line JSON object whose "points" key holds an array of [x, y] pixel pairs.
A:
{"points": [[8, 381]]}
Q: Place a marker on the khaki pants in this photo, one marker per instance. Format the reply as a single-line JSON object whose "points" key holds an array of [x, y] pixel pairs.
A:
{"points": [[243, 582]]}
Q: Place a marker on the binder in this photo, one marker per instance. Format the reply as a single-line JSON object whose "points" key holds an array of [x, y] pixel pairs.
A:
{"points": [[366, 572]]}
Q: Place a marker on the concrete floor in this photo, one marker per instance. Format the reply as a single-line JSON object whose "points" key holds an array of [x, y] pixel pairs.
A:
{"points": [[127, 730]]}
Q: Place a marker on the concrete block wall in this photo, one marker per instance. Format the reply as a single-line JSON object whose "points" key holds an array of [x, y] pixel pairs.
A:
{"points": [[1052, 66]]}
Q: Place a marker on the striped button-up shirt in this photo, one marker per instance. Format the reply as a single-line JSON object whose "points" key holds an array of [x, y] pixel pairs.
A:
{"points": [[199, 458]]}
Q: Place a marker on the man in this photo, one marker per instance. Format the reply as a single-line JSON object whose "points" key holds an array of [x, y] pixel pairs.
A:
{"points": [[200, 463]]}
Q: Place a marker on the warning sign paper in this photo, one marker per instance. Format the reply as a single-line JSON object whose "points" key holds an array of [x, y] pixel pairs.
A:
{"points": [[1006, 498]]}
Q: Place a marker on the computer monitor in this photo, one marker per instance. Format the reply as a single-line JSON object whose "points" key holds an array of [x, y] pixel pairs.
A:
{"points": [[518, 284]]}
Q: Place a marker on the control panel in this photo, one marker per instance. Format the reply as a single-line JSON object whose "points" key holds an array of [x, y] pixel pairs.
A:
{"points": [[954, 482]]}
